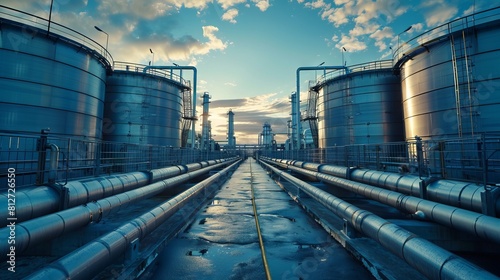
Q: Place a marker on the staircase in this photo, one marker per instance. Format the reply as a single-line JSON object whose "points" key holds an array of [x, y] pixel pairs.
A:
{"points": [[311, 113], [187, 116]]}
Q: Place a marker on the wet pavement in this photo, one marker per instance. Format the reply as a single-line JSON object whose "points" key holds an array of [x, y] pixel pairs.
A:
{"points": [[222, 242]]}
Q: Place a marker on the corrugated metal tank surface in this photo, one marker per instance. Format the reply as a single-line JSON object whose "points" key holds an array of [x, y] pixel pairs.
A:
{"points": [[450, 78], [49, 82], [142, 108], [361, 107]]}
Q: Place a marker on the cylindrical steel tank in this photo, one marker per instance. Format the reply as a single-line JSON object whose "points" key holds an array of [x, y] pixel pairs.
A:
{"points": [[362, 106], [50, 78], [50, 81], [143, 108], [450, 79]]}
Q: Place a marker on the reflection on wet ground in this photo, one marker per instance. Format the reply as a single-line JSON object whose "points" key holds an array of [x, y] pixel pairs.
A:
{"points": [[222, 243]]}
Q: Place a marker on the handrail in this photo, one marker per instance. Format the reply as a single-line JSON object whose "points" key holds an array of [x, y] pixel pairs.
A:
{"points": [[366, 66], [135, 67]]}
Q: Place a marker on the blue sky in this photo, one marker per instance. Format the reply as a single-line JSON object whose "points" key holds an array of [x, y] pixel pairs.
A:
{"points": [[247, 51]]}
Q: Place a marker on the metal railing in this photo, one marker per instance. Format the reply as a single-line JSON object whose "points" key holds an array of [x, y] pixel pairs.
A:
{"points": [[139, 68], [85, 158], [372, 65], [472, 159]]}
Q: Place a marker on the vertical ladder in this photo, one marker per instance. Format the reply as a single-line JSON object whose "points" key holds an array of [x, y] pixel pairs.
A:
{"points": [[461, 47], [145, 116], [187, 115], [348, 109], [311, 113]]}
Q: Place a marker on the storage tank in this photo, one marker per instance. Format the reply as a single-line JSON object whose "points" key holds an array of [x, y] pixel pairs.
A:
{"points": [[450, 78], [49, 80], [362, 106], [143, 108]]}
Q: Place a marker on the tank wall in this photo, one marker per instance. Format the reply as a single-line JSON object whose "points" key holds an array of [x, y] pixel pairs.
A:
{"points": [[360, 108], [429, 92], [142, 109], [49, 83]]}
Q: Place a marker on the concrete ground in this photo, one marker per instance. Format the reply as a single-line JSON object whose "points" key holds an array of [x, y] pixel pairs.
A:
{"points": [[222, 241]]}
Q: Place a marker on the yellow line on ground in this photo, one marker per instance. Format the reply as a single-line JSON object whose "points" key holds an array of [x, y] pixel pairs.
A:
{"points": [[261, 241]]}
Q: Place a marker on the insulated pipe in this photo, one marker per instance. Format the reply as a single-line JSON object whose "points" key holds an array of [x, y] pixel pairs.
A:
{"points": [[195, 78], [37, 201], [455, 193], [296, 117], [36, 231], [90, 259], [479, 225], [429, 259]]}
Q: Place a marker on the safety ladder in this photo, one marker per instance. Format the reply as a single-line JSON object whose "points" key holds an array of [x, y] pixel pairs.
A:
{"points": [[311, 117], [145, 116], [461, 48], [348, 109], [187, 116]]}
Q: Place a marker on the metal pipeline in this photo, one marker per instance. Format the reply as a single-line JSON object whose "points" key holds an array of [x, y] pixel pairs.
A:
{"points": [[35, 231], [431, 260], [479, 225], [37, 201], [455, 193], [88, 260]]}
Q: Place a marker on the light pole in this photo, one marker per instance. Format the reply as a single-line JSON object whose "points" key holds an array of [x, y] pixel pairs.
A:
{"points": [[107, 38], [50, 16], [152, 63], [343, 50], [316, 72], [406, 30], [180, 71]]}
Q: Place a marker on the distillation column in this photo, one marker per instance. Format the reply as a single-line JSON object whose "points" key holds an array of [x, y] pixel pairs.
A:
{"points": [[205, 135], [231, 140]]}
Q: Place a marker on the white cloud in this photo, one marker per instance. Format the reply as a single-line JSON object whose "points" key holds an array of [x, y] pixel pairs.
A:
{"points": [[318, 4], [137, 9], [365, 17], [263, 5], [226, 4], [438, 12], [213, 43], [363, 29], [380, 36], [185, 50], [250, 114], [469, 11], [230, 15], [416, 28], [351, 43]]}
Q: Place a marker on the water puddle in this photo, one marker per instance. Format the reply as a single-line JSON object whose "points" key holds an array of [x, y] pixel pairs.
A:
{"points": [[197, 253], [277, 216]]}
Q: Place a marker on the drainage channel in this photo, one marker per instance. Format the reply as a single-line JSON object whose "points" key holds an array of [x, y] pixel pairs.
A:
{"points": [[222, 241]]}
